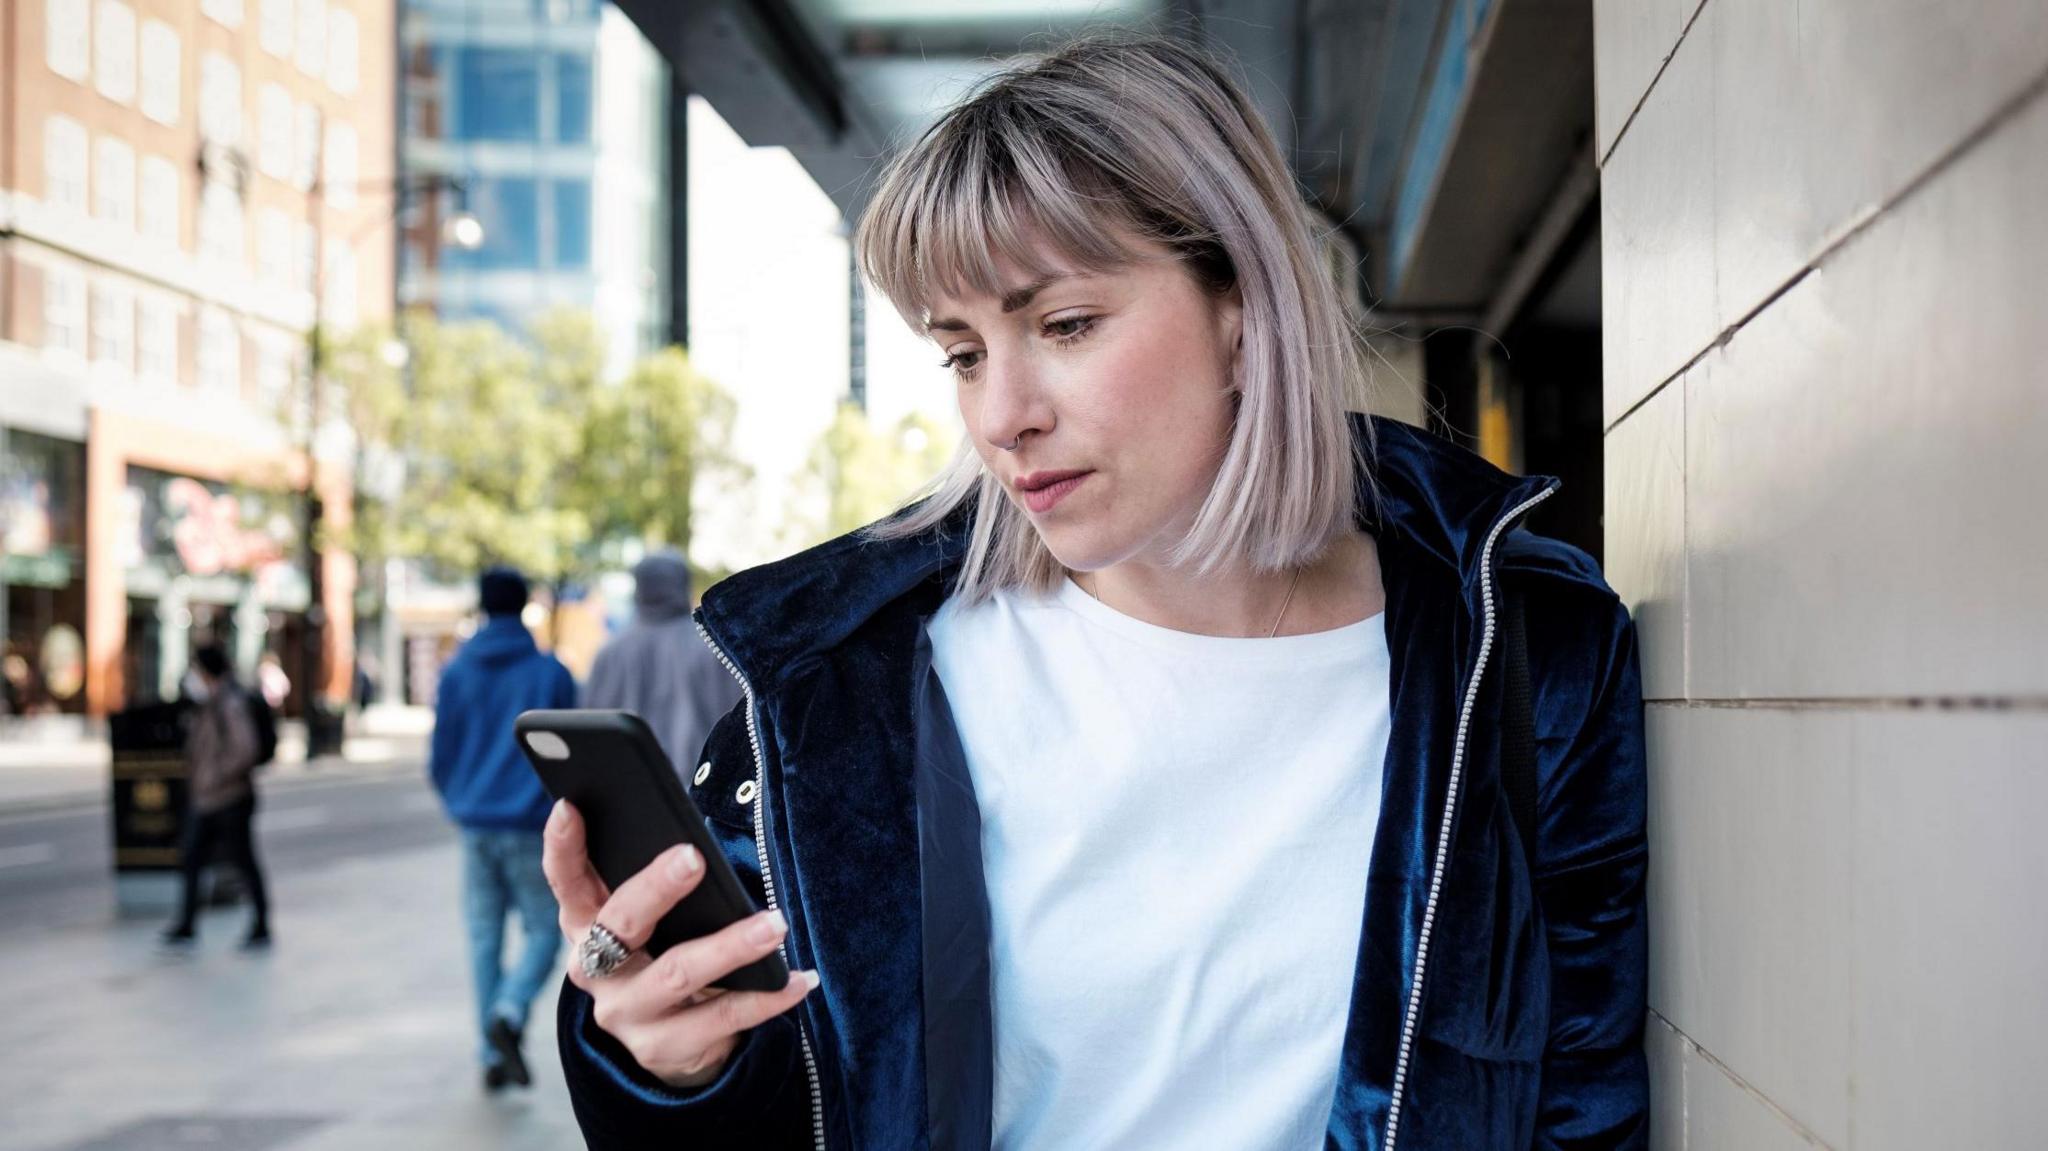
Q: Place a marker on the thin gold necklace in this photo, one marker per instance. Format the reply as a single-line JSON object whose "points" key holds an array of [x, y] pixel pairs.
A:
{"points": [[1289, 599]]}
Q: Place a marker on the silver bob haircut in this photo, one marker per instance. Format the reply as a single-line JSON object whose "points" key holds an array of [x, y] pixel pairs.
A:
{"points": [[1080, 151]]}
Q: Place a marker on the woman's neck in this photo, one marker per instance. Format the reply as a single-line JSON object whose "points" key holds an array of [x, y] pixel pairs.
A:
{"points": [[1340, 588]]}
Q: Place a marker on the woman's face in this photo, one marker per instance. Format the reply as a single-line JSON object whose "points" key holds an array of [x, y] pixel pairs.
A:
{"points": [[1102, 401]]}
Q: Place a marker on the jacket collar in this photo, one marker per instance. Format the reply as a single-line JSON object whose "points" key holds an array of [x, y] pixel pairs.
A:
{"points": [[1437, 496]]}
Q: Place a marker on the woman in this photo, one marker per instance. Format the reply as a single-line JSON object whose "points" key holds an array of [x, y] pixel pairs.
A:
{"points": [[1142, 785]]}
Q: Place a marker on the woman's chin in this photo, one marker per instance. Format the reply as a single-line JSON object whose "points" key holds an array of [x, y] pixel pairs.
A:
{"points": [[1077, 548]]}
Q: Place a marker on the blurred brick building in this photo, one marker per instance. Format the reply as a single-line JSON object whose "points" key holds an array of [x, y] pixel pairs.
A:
{"points": [[168, 171]]}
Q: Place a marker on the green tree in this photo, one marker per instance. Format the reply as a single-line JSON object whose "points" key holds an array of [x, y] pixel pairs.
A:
{"points": [[647, 441], [519, 451], [866, 472]]}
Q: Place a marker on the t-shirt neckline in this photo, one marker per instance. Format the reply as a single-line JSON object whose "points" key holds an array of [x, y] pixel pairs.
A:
{"points": [[1346, 642]]}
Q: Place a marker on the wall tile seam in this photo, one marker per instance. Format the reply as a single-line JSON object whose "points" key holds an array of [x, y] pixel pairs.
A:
{"points": [[2008, 110], [1967, 705], [1692, 1047], [1684, 1091], [1637, 107]]}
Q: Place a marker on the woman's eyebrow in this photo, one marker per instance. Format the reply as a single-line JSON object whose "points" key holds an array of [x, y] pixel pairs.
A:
{"points": [[1012, 300]]}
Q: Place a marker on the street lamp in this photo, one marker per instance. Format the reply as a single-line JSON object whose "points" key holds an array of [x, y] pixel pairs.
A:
{"points": [[461, 230]]}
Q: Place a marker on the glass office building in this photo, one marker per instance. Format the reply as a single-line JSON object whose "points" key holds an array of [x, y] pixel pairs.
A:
{"points": [[555, 115]]}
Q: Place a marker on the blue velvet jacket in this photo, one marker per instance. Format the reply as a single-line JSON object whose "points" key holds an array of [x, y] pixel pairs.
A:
{"points": [[1499, 995]]}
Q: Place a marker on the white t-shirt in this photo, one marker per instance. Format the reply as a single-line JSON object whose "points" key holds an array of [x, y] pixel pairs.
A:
{"points": [[1175, 831]]}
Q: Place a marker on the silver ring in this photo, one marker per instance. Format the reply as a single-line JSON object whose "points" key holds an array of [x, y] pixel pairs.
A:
{"points": [[601, 952]]}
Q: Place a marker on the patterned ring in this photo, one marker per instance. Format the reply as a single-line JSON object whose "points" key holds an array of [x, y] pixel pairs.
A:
{"points": [[601, 952]]}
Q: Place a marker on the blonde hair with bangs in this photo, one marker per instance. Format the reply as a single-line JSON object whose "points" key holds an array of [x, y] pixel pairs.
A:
{"points": [[1103, 140]]}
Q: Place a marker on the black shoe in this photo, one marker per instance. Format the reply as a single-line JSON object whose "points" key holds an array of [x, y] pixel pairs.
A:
{"points": [[257, 940], [495, 1079], [505, 1041], [178, 938]]}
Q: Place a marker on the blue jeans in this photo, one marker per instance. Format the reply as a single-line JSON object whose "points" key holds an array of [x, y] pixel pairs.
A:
{"points": [[501, 872]]}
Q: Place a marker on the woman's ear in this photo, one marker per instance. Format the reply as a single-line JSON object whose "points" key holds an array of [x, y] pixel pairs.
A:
{"points": [[1230, 319]]}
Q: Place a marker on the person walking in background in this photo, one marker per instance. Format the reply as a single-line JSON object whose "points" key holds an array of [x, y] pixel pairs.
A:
{"points": [[223, 748], [490, 792], [659, 668]]}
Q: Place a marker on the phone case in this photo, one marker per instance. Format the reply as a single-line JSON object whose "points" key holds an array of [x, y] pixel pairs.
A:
{"points": [[634, 808]]}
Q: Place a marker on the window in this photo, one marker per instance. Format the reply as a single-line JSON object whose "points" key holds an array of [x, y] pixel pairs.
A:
{"points": [[156, 344], [113, 55], [114, 182], [220, 225], [113, 326], [158, 214], [511, 219], [64, 163], [338, 287], [64, 310], [572, 99], [274, 27], [339, 165], [572, 224], [305, 147], [161, 63], [220, 352], [274, 132], [498, 94], [343, 64], [312, 54], [274, 250], [276, 365], [220, 99], [227, 12], [67, 39]]}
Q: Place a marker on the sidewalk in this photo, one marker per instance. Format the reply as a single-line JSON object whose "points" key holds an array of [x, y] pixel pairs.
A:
{"points": [[355, 1034], [66, 768]]}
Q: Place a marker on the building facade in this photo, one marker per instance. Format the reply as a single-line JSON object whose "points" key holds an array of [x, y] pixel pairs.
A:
{"points": [[1824, 247], [555, 116], [184, 186]]}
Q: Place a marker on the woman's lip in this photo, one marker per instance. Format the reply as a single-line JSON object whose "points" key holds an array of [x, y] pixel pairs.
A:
{"points": [[1035, 480], [1041, 500]]}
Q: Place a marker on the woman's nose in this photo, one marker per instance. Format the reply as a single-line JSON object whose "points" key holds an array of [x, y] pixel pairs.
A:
{"points": [[1012, 403]]}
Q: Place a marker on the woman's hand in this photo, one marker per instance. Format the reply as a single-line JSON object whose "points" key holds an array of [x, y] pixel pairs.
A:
{"points": [[665, 1011]]}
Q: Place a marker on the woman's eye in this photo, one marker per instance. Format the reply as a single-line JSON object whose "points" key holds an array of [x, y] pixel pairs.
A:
{"points": [[1070, 328], [961, 362]]}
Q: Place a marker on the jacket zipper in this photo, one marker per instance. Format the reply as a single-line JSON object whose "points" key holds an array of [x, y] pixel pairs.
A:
{"points": [[1443, 838], [767, 878]]}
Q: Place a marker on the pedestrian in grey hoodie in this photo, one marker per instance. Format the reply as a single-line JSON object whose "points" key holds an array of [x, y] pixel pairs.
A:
{"points": [[660, 668]]}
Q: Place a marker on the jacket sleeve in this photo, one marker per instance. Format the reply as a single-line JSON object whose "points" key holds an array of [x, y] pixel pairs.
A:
{"points": [[1591, 864], [760, 1102], [565, 687], [447, 734]]}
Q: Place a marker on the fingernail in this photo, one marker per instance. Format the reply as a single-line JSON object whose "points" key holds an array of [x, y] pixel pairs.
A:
{"points": [[767, 927], [685, 863], [558, 815], [810, 979]]}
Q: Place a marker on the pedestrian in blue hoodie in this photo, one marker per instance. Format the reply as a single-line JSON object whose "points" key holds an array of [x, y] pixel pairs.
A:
{"points": [[488, 789]]}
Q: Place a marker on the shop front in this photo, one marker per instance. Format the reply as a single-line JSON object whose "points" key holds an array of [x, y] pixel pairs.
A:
{"points": [[42, 575], [206, 562], [194, 539]]}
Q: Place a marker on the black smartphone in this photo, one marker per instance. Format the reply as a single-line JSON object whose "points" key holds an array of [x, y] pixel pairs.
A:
{"points": [[610, 766]]}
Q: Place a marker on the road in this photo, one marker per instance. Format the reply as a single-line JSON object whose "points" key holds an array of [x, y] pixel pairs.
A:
{"points": [[55, 870], [354, 1032]]}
